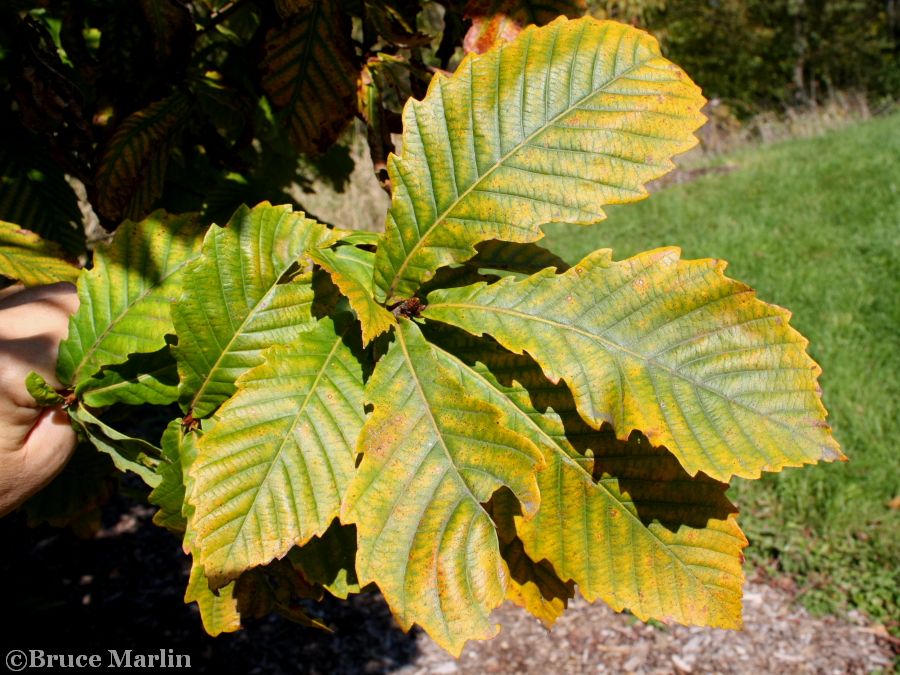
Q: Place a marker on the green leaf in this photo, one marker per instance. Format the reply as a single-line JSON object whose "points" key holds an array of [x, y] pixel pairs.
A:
{"points": [[309, 73], [351, 270], [549, 128], [432, 454], [272, 473], [133, 167], [169, 494], [359, 237], [142, 379], [495, 260], [125, 298], [127, 453], [668, 347], [494, 20], [329, 561], [236, 302], [27, 258], [43, 393], [219, 610], [621, 519]]}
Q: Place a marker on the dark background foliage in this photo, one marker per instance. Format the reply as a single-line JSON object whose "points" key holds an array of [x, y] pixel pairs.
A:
{"points": [[114, 108], [756, 54]]}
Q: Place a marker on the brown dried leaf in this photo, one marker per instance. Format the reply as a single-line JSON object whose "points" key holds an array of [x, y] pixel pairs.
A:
{"points": [[133, 168], [309, 73], [494, 20]]}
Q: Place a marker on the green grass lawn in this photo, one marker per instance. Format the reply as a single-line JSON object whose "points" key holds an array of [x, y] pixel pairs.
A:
{"points": [[814, 226]]}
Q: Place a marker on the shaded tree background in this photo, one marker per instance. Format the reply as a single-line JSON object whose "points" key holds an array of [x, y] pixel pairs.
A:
{"points": [[110, 109], [759, 54]]}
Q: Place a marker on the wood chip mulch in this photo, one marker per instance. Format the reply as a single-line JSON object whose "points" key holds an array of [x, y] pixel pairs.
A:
{"points": [[778, 637]]}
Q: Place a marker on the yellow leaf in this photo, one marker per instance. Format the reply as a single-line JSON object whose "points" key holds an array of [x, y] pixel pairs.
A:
{"points": [[217, 610], [548, 128], [535, 586], [272, 472], [621, 519], [432, 455], [351, 271], [27, 258], [669, 347]]}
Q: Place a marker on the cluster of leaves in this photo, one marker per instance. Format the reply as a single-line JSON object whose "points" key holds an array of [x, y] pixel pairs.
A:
{"points": [[447, 411]]}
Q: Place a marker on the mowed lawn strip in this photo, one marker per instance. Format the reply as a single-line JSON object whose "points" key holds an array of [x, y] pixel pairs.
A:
{"points": [[813, 225]]}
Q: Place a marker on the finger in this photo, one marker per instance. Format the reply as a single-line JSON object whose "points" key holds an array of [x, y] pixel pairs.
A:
{"points": [[10, 290], [38, 310], [62, 294], [46, 451], [32, 323], [18, 409], [18, 358]]}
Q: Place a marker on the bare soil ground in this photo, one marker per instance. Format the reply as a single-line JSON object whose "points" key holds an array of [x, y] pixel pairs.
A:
{"points": [[122, 590]]}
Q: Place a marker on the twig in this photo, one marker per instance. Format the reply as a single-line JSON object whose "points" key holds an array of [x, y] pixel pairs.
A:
{"points": [[221, 14]]}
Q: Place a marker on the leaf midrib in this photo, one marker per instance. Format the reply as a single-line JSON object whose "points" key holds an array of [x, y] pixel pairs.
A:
{"points": [[456, 476], [415, 378], [251, 313], [497, 164], [310, 26], [139, 124], [288, 434]]}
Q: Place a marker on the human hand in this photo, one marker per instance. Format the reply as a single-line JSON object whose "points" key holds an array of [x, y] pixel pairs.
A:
{"points": [[35, 442]]}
